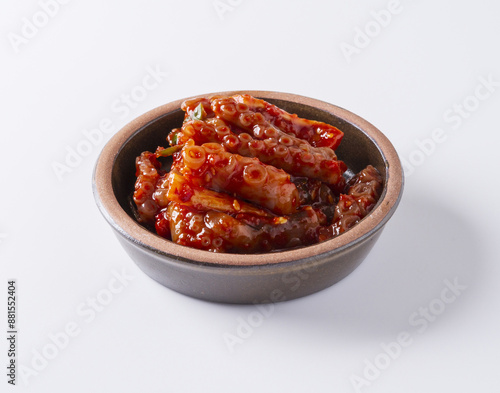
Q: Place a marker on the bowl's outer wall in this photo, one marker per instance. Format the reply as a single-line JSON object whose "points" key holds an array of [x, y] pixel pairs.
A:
{"points": [[250, 284]]}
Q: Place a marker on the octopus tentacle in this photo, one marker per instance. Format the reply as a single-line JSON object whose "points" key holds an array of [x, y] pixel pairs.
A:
{"points": [[211, 166], [315, 132], [148, 174], [255, 123], [220, 232], [362, 195], [179, 189], [298, 161]]}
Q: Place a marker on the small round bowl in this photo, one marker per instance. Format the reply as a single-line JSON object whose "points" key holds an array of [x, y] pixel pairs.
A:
{"points": [[245, 278]]}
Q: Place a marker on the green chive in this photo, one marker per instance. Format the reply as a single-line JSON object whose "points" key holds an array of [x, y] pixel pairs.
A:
{"points": [[168, 151], [174, 138], [198, 112]]}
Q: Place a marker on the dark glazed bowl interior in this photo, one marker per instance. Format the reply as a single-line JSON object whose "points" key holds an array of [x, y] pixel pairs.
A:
{"points": [[235, 277]]}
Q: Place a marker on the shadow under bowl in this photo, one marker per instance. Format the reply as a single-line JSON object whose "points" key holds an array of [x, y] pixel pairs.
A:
{"points": [[245, 278]]}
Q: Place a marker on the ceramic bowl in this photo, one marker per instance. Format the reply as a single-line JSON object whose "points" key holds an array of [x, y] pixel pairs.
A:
{"points": [[247, 278]]}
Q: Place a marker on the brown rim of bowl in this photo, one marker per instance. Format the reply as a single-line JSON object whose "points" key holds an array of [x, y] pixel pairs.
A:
{"points": [[132, 230]]}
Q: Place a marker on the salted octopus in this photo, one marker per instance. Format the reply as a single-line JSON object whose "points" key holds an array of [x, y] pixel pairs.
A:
{"points": [[249, 177]]}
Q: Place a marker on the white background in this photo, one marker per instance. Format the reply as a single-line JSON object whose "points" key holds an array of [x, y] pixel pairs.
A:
{"points": [[70, 75]]}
